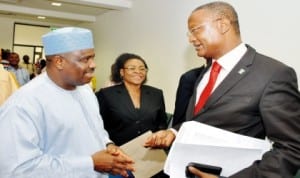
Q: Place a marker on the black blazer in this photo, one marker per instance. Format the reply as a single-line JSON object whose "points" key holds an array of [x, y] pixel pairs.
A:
{"points": [[184, 92], [258, 98], [124, 122]]}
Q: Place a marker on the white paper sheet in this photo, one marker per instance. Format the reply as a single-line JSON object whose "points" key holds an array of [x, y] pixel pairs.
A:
{"points": [[197, 142]]}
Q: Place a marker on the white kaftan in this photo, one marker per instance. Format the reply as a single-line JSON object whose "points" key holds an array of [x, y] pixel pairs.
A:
{"points": [[47, 131]]}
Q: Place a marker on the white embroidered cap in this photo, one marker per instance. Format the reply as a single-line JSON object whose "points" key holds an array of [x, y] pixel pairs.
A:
{"points": [[67, 39]]}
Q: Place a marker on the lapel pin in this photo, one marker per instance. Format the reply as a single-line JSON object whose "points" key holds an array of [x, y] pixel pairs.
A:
{"points": [[241, 71]]}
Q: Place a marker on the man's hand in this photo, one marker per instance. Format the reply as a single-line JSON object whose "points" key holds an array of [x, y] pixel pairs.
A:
{"points": [[201, 174], [113, 149], [117, 151], [112, 160], [160, 139]]}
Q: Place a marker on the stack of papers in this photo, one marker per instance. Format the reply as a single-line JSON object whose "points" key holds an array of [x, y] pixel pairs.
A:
{"points": [[201, 143]]}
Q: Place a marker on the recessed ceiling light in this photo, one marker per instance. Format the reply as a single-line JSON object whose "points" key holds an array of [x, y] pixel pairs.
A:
{"points": [[41, 17], [56, 4]]}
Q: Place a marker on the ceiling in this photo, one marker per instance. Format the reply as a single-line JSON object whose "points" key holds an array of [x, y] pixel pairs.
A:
{"points": [[70, 12]]}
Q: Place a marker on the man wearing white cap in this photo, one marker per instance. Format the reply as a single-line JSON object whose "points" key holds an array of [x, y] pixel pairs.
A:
{"points": [[51, 127]]}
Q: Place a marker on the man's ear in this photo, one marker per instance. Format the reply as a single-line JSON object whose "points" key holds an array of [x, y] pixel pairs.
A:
{"points": [[58, 62], [224, 25]]}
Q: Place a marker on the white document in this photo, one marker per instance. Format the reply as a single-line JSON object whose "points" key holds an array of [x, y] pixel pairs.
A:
{"points": [[201, 143]]}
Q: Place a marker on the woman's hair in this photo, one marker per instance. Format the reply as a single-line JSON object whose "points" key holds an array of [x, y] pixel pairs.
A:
{"points": [[119, 64]]}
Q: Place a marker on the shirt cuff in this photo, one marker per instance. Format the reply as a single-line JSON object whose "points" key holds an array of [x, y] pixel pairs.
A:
{"points": [[83, 163], [174, 131]]}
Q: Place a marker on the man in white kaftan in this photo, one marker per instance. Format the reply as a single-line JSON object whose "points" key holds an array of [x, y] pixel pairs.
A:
{"points": [[45, 124], [51, 127]]}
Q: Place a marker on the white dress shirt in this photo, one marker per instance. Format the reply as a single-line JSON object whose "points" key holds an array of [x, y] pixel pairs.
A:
{"points": [[227, 62]]}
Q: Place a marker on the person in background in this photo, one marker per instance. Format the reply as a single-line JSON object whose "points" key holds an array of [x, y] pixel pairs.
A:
{"points": [[21, 73], [111, 81], [28, 66], [42, 63], [5, 54], [184, 92], [40, 66], [8, 83], [253, 95], [51, 127], [131, 108]]}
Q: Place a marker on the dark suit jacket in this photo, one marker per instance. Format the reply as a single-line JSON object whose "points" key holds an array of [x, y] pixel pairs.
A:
{"points": [[258, 98], [124, 122], [184, 92]]}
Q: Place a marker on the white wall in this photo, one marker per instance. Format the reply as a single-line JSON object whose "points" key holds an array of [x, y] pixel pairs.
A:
{"points": [[6, 33], [156, 30]]}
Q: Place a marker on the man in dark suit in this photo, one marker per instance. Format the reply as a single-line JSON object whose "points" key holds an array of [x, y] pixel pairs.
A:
{"points": [[253, 95], [184, 92]]}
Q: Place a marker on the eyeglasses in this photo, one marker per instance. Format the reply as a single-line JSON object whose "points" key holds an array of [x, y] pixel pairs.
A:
{"points": [[140, 69], [194, 30]]}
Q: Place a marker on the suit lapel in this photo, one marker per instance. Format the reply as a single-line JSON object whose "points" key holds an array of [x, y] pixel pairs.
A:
{"points": [[238, 72], [145, 97], [191, 105], [124, 98]]}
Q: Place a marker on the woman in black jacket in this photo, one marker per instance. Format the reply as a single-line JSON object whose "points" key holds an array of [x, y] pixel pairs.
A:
{"points": [[131, 108]]}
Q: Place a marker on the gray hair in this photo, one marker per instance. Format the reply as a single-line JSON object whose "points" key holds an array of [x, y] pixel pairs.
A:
{"points": [[224, 10]]}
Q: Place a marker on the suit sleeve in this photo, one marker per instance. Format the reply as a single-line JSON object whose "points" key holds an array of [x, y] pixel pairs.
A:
{"points": [[280, 112], [180, 103], [102, 105], [162, 117]]}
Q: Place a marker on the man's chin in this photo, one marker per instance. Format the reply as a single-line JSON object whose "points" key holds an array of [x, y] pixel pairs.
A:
{"points": [[199, 52], [89, 76], [85, 81]]}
